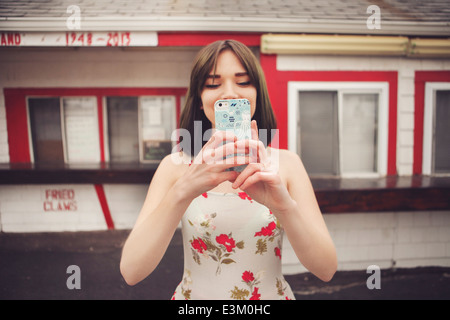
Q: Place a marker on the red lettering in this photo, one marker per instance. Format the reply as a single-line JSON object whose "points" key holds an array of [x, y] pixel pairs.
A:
{"points": [[54, 194], [10, 39], [81, 38], [47, 206], [71, 194], [62, 194], [60, 206]]}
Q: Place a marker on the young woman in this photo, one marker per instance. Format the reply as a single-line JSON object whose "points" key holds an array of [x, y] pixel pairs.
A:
{"points": [[232, 222]]}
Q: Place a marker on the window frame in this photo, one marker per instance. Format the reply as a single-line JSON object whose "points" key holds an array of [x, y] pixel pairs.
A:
{"points": [[18, 117], [62, 124], [140, 119], [344, 87], [428, 126], [141, 159]]}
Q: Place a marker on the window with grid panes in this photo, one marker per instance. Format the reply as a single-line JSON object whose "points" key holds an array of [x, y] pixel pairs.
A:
{"points": [[338, 129], [64, 129]]}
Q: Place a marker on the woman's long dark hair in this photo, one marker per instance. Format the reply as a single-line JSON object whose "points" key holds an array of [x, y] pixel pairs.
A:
{"points": [[204, 64]]}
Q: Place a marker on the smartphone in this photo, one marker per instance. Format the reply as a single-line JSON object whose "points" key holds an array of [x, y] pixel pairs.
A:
{"points": [[234, 115]]}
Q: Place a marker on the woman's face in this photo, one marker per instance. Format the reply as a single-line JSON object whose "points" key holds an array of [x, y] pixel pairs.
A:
{"points": [[231, 81]]}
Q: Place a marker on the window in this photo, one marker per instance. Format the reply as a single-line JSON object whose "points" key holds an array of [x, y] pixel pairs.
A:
{"points": [[318, 127], [339, 128], [157, 122], [123, 132], [150, 140], [81, 129], [135, 128], [45, 126], [64, 129], [436, 153]]}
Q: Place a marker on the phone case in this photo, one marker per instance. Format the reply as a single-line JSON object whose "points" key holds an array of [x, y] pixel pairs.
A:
{"points": [[234, 115]]}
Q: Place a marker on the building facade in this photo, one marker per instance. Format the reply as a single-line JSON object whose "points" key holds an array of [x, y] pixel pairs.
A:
{"points": [[90, 95]]}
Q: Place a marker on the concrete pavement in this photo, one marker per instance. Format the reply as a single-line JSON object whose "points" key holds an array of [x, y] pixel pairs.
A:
{"points": [[34, 266]]}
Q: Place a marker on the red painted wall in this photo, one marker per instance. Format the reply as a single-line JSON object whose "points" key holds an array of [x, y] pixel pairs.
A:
{"points": [[277, 82]]}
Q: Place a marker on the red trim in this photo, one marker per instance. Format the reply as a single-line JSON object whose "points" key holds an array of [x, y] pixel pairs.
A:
{"points": [[277, 82], [421, 77], [175, 39], [17, 120], [100, 128], [104, 204], [17, 126]]}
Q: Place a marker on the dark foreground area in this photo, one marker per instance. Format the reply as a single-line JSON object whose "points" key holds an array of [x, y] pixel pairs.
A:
{"points": [[35, 266]]}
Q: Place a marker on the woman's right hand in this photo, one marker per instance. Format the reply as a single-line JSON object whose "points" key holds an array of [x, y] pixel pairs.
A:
{"points": [[209, 167]]}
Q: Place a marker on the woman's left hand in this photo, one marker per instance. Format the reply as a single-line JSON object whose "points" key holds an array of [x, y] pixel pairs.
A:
{"points": [[261, 180]]}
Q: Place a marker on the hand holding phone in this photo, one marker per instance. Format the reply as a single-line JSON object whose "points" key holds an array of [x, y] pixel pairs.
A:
{"points": [[234, 115]]}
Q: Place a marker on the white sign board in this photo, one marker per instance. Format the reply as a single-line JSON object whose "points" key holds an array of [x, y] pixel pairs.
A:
{"points": [[79, 39]]}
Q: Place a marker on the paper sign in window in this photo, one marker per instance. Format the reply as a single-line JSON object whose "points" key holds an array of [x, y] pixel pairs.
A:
{"points": [[81, 127]]}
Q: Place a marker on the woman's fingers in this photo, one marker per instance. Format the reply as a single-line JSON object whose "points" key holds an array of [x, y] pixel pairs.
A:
{"points": [[255, 148], [208, 150], [224, 149]]}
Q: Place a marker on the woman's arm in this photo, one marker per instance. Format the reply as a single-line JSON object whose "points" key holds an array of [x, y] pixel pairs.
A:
{"points": [[172, 189], [285, 188], [303, 222], [160, 215]]}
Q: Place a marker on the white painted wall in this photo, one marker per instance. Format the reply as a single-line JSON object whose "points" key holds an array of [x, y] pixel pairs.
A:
{"points": [[29, 208], [125, 202], [388, 239]]}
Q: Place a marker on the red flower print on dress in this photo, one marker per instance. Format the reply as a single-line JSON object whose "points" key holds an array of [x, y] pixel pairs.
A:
{"points": [[266, 231], [268, 234], [205, 195], [227, 241], [255, 295], [251, 292], [199, 245], [204, 247], [277, 252], [244, 196], [247, 276]]}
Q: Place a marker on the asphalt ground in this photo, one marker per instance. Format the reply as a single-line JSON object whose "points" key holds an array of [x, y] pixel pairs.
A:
{"points": [[34, 266]]}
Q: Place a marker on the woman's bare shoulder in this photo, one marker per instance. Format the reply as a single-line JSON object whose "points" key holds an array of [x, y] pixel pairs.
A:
{"points": [[288, 155], [286, 159]]}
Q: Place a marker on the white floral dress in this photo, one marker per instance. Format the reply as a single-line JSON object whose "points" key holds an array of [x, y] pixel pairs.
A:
{"points": [[232, 250]]}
